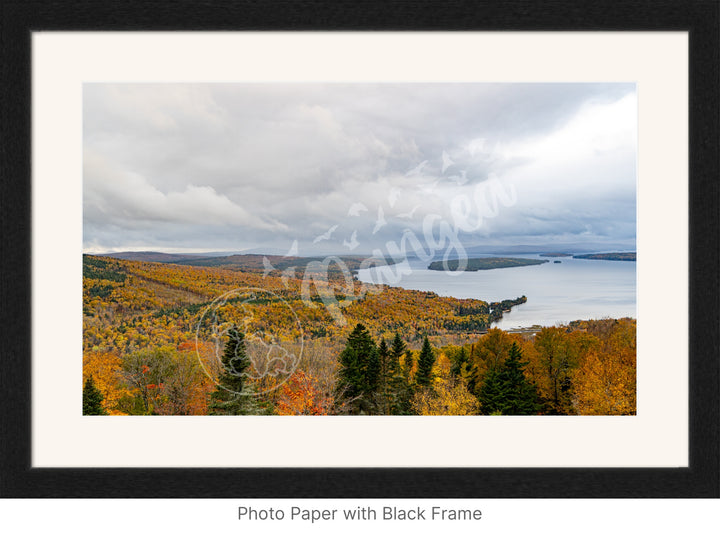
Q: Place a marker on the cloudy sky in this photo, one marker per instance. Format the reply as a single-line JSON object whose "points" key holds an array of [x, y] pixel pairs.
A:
{"points": [[348, 167]]}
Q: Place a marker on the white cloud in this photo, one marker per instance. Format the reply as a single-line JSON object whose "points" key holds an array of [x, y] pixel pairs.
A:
{"points": [[279, 162], [115, 196]]}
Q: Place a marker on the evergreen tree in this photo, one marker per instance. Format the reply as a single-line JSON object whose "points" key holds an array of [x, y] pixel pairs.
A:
{"points": [[359, 375], [506, 389], [461, 364], [384, 379], [229, 397], [473, 379], [423, 377], [397, 381], [406, 391], [92, 399], [494, 392], [397, 350], [408, 365]]}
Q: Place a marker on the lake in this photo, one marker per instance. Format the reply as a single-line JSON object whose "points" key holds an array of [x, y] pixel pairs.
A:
{"points": [[556, 293]]}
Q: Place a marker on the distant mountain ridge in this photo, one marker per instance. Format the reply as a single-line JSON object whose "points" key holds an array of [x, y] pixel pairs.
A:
{"points": [[251, 263], [575, 248], [153, 256], [566, 248]]}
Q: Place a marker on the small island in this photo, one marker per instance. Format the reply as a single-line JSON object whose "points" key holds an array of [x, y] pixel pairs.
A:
{"points": [[480, 264], [626, 257]]}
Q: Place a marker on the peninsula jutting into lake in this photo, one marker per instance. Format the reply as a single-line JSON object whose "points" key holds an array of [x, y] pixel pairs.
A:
{"points": [[481, 264]]}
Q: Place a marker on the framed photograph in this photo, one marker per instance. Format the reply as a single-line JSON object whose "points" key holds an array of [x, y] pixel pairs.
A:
{"points": [[458, 251]]}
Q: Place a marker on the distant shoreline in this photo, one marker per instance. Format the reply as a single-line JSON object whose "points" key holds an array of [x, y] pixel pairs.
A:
{"points": [[482, 264], [623, 257]]}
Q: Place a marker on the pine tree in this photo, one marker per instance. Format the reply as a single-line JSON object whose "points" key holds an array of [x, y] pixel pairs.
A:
{"points": [[494, 391], [408, 365], [359, 374], [230, 397], [461, 364], [423, 377], [506, 390], [397, 350], [384, 379], [398, 382], [92, 399], [406, 391]]}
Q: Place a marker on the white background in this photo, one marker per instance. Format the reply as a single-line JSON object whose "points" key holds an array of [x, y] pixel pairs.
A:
{"points": [[657, 436], [499, 517]]}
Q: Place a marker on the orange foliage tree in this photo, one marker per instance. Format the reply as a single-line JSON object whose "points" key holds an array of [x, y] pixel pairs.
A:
{"points": [[105, 368], [301, 395]]}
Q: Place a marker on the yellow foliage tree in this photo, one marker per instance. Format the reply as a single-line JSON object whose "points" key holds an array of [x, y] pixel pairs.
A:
{"points": [[448, 396], [605, 384]]}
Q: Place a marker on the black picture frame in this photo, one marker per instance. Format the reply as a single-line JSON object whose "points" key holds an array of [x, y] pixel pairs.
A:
{"points": [[700, 18]]}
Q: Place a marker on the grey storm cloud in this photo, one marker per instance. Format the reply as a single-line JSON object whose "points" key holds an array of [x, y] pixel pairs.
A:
{"points": [[237, 166]]}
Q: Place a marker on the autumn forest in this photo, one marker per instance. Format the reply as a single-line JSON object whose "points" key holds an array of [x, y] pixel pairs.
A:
{"points": [[171, 338]]}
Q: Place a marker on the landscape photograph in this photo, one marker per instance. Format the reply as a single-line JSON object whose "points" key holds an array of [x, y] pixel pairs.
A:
{"points": [[359, 249]]}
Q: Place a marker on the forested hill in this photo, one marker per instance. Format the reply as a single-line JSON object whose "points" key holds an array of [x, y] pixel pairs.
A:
{"points": [[259, 263], [151, 256], [129, 303], [397, 351], [250, 263]]}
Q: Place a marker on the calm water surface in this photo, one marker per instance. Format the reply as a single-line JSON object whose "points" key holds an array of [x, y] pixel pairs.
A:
{"points": [[557, 293]]}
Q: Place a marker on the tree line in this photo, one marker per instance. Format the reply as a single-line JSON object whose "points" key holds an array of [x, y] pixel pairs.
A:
{"points": [[584, 368], [382, 379]]}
